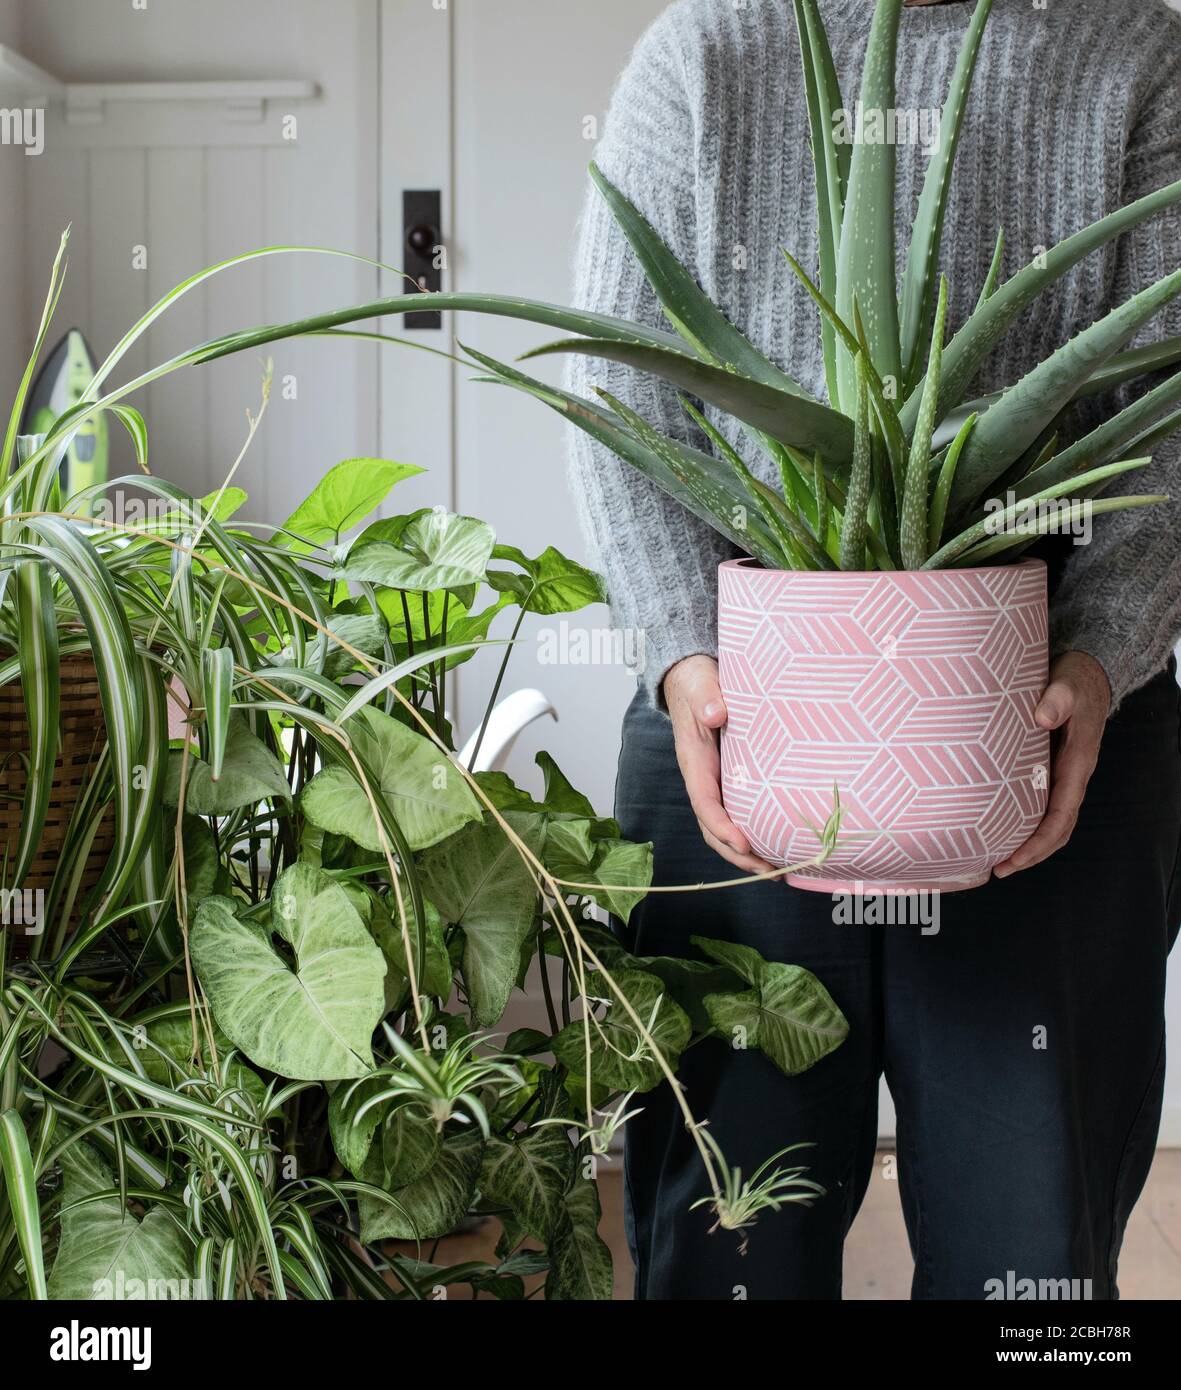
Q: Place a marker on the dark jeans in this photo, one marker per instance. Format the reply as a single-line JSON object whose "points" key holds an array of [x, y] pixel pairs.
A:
{"points": [[1023, 1045]]}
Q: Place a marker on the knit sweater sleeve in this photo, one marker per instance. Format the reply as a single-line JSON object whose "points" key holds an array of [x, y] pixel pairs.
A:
{"points": [[659, 561], [1120, 596]]}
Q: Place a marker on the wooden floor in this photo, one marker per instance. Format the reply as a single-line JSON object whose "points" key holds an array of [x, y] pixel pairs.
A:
{"points": [[877, 1259]]}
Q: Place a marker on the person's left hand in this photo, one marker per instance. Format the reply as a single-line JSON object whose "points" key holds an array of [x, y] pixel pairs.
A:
{"points": [[1076, 703]]}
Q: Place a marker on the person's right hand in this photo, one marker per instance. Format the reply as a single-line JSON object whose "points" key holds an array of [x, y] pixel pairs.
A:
{"points": [[697, 710]]}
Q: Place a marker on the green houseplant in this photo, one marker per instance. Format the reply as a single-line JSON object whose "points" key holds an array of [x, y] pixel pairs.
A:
{"points": [[262, 1047]]}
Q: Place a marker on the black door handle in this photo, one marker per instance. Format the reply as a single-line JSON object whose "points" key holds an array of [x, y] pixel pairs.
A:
{"points": [[422, 216]]}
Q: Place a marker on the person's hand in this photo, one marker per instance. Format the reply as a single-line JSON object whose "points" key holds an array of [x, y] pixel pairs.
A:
{"points": [[697, 710], [1076, 704]]}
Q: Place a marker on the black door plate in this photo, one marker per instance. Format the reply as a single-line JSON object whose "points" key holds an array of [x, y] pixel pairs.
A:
{"points": [[422, 239]]}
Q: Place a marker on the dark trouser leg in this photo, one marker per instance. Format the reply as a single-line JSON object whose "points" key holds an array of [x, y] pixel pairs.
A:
{"points": [[1024, 1043], [752, 1108]]}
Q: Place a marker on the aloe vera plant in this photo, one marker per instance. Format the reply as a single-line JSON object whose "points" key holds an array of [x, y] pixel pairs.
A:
{"points": [[893, 471]]}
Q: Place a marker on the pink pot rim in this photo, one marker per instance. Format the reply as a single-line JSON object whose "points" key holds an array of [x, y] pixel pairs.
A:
{"points": [[747, 563]]}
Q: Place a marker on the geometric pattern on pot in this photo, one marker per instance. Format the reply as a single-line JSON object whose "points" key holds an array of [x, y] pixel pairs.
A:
{"points": [[912, 692]]}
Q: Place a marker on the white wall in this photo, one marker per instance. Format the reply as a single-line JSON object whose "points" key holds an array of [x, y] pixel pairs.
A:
{"points": [[13, 169], [193, 187]]}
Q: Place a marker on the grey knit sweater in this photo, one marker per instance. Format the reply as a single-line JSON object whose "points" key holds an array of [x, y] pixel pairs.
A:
{"points": [[1076, 110]]}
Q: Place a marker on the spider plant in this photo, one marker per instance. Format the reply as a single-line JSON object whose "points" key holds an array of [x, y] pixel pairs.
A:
{"points": [[767, 1189]]}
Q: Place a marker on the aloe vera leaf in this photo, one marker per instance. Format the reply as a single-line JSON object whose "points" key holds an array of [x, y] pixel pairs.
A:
{"points": [[790, 476], [796, 492], [1043, 526], [1007, 429], [731, 455], [791, 531], [496, 305], [1105, 441], [988, 323], [820, 87], [790, 419], [1117, 371], [710, 483], [860, 481], [985, 530], [988, 289], [837, 502], [812, 556], [917, 301], [829, 88], [1147, 442], [886, 444], [653, 439], [1047, 451], [943, 486], [22, 481], [883, 508], [690, 310], [1039, 452], [1129, 366], [856, 344], [912, 530], [698, 481], [865, 263], [800, 552], [820, 490]]}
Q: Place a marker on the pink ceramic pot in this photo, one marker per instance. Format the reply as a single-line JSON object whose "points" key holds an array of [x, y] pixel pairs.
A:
{"points": [[911, 692]]}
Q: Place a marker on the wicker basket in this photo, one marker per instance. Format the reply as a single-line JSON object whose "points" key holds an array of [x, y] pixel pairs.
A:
{"points": [[83, 736]]}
